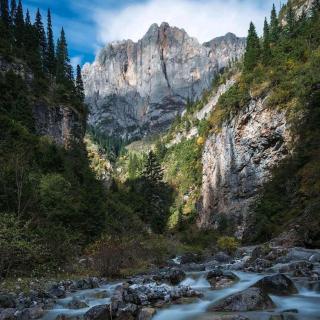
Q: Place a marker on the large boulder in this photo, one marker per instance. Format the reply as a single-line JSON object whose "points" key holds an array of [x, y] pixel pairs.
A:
{"points": [[219, 279], [172, 276], [77, 304], [277, 284], [251, 299], [101, 312]]}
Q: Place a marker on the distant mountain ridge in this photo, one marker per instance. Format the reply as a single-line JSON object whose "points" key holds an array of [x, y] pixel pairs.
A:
{"points": [[137, 88]]}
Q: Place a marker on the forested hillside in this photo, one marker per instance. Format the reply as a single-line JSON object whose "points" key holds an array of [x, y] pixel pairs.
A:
{"points": [[50, 202], [120, 202]]}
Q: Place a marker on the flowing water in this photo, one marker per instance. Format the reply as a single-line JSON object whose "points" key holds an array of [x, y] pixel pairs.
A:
{"points": [[306, 302]]}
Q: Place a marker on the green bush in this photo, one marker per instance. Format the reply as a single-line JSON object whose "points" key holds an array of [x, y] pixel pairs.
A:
{"points": [[228, 244]]}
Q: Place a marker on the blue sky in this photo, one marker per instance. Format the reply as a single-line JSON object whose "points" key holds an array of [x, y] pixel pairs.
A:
{"points": [[91, 24]]}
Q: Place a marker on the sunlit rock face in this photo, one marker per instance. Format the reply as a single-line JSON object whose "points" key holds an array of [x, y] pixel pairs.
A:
{"points": [[136, 89], [238, 160]]}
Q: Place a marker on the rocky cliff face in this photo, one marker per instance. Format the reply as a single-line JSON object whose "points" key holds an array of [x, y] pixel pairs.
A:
{"points": [[61, 123], [134, 89], [238, 160]]}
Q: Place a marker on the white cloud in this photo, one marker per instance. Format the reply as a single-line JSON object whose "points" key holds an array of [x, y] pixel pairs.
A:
{"points": [[77, 60], [203, 19]]}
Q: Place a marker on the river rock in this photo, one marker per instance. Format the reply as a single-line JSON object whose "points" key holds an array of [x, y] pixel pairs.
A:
{"points": [[146, 313], [277, 284], [89, 283], [315, 258], [30, 313], [190, 258], [297, 267], [222, 257], [251, 299], [8, 314], [219, 279], [173, 276], [58, 291], [77, 304], [101, 312]]}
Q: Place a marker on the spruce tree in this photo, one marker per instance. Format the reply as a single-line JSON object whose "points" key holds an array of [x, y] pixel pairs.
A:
{"points": [[28, 19], [253, 50], [50, 56], [41, 37], [13, 9], [274, 25], [315, 8], [290, 19], [19, 26], [79, 84], [4, 12], [266, 43], [152, 172], [63, 67]]}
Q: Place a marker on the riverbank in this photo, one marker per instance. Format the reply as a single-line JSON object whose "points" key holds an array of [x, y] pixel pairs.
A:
{"points": [[185, 288]]}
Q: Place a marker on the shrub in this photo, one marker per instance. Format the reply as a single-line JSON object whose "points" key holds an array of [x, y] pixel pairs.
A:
{"points": [[228, 244]]}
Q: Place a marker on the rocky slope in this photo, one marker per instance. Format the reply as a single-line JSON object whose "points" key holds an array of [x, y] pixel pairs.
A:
{"points": [[60, 122], [138, 88], [238, 160]]}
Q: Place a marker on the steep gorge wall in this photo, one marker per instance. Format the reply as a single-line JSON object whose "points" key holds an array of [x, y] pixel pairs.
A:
{"points": [[238, 160]]}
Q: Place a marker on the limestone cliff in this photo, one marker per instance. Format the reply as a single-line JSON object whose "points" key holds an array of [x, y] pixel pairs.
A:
{"points": [[134, 89], [237, 160]]}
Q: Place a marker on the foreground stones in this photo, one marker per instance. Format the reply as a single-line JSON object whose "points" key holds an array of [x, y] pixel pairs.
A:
{"points": [[219, 279], [138, 301], [277, 284], [251, 299]]}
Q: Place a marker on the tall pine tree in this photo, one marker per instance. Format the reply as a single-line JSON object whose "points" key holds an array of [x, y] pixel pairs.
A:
{"points": [[41, 38], [290, 19], [19, 26], [63, 67], [50, 56], [4, 12], [253, 50], [13, 9], [79, 84], [152, 172], [266, 43], [274, 25]]}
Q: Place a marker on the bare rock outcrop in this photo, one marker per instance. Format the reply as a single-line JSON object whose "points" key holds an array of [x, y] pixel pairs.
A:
{"points": [[137, 88]]}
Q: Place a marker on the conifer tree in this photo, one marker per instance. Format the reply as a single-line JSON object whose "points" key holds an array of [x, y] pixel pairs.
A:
{"points": [[315, 8], [50, 56], [13, 9], [41, 37], [63, 67], [152, 172], [19, 26], [290, 19], [28, 19], [266, 42], [4, 12], [274, 25], [253, 50], [79, 84]]}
